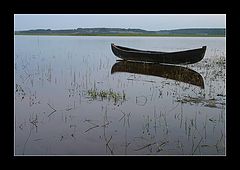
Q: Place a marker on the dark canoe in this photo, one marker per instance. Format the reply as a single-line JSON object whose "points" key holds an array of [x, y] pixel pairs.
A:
{"points": [[177, 73], [179, 57]]}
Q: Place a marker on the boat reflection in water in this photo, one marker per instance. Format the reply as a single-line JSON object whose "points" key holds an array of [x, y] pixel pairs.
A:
{"points": [[173, 72]]}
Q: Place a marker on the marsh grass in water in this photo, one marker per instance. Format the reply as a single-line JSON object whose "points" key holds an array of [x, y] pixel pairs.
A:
{"points": [[95, 94], [205, 102], [220, 61]]}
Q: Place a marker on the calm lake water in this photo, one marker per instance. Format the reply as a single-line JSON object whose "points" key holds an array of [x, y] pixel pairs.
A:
{"points": [[73, 98]]}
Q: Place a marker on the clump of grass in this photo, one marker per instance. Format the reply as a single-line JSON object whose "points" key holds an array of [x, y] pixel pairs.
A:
{"points": [[205, 102], [191, 100], [95, 94], [19, 91], [221, 61], [92, 93]]}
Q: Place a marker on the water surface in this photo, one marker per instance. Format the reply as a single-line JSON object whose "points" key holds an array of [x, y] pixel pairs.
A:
{"points": [[69, 101]]}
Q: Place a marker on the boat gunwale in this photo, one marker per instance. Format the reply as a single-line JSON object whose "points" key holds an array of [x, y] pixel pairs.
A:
{"points": [[132, 50]]}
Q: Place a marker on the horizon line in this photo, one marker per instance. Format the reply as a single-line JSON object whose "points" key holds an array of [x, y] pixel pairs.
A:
{"points": [[122, 28]]}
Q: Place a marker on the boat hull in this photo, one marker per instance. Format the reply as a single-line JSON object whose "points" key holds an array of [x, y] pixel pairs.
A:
{"points": [[179, 57]]}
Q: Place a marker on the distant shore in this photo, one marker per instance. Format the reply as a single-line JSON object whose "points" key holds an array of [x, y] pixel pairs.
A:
{"points": [[125, 35]]}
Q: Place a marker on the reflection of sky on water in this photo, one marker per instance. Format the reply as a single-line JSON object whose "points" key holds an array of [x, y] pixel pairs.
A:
{"points": [[58, 71]]}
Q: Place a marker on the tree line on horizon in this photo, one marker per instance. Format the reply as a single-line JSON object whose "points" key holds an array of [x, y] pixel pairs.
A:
{"points": [[188, 31]]}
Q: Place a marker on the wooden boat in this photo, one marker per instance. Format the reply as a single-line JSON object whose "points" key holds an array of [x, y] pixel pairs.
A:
{"points": [[179, 57], [173, 72]]}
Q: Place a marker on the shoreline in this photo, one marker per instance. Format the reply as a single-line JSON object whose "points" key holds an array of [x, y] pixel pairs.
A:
{"points": [[126, 35]]}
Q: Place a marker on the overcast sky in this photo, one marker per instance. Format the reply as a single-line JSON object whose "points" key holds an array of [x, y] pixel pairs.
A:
{"points": [[151, 22]]}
